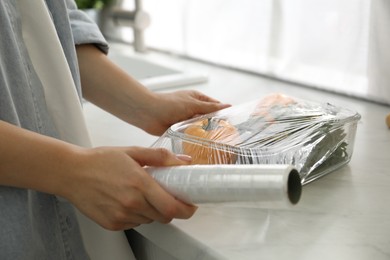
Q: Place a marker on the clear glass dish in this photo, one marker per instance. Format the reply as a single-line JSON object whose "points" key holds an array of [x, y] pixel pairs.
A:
{"points": [[315, 138]]}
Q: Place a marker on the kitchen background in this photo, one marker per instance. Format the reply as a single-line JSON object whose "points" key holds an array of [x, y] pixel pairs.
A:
{"points": [[339, 46]]}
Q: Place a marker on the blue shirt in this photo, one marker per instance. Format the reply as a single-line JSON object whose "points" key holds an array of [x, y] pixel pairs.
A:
{"points": [[35, 225]]}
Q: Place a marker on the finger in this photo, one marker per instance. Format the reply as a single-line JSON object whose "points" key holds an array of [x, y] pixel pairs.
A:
{"points": [[157, 157], [167, 205], [206, 104], [213, 106], [209, 101], [202, 97], [205, 98], [159, 204], [139, 219], [147, 213]]}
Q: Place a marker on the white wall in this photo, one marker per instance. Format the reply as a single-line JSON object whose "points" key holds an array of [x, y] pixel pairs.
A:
{"points": [[328, 44]]}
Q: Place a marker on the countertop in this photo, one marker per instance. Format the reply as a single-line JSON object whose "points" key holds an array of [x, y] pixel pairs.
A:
{"points": [[343, 215]]}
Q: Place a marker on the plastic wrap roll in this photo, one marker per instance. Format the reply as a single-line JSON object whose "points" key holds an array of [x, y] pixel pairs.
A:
{"points": [[261, 185]]}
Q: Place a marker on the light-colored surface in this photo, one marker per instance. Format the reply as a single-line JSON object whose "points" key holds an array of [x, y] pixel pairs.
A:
{"points": [[154, 74], [344, 215]]}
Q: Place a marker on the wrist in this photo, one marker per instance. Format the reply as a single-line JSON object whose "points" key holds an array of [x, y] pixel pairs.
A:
{"points": [[32, 161], [68, 176]]}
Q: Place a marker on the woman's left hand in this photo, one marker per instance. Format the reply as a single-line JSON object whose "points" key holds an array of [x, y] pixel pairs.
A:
{"points": [[174, 107], [111, 88]]}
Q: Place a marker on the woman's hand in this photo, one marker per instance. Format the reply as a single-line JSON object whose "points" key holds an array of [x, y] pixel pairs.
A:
{"points": [[170, 108], [107, 184], [110, 186], [112, 89]]}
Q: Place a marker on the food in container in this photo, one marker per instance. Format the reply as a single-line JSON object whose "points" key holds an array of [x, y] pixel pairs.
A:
{"points": [[316, 138]]}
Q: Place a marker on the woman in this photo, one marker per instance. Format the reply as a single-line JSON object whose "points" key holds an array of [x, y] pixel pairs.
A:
{"points": [[50, 53]]}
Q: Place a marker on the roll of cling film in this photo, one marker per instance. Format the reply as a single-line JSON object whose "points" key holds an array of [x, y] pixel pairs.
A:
{"points": [[267, 186]]}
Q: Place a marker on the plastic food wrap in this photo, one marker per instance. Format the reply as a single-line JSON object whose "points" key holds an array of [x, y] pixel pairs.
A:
{"points": [[270, 186], [315, 138]]}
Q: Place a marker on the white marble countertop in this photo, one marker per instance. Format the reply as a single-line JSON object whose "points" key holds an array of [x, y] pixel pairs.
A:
{"points": [[344, 215]]}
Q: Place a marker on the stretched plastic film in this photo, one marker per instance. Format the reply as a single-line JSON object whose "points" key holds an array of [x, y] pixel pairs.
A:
{"points": [[269, 186], [315, 138]]}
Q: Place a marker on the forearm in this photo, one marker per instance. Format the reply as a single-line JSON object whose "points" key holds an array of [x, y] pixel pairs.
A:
{"points": [[107, 184], [33, 161], [109, 87]]}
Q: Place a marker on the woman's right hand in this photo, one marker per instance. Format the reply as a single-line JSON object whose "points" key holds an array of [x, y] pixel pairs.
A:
{"points": [[107, 184], [110, 186]]}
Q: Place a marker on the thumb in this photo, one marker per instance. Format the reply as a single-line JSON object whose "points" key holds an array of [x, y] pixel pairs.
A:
{"points": [[157, 157]]}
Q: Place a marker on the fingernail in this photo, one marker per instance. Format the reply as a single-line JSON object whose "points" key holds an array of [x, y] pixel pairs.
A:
{"points": [[221, 105], [184, 157]]}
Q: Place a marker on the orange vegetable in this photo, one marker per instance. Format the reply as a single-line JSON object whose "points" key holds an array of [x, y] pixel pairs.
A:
{"points": [[213, 141], [265, 104], [388, 120]]}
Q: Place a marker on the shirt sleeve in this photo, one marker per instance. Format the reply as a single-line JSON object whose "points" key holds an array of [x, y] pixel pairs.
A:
{"points": [[84, 30]]}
